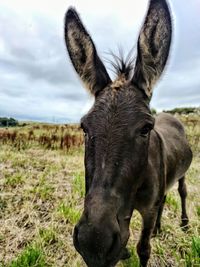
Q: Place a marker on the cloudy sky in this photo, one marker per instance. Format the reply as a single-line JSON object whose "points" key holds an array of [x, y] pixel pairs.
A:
{"points": [[38, 82]]}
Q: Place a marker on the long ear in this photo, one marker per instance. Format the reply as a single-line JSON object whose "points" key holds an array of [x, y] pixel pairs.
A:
{"points": [[153, 46], [83, 54]]}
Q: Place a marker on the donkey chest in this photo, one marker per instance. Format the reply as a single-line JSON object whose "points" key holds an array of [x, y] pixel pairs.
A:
{"points": [[146, 196]]}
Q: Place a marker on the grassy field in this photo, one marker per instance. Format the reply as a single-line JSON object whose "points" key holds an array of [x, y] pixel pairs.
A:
{"points": [[41, 198]]}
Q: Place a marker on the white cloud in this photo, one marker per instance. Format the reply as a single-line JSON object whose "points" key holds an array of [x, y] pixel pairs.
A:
{"points": [[37, 79]]}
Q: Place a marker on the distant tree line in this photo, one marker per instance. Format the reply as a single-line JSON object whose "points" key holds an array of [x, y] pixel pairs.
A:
{"points": [[185, 110], [153, 111], [8, 122]]}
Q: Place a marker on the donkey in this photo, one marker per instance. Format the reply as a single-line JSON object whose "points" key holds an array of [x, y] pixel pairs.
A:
{"points": [[131, 158]]}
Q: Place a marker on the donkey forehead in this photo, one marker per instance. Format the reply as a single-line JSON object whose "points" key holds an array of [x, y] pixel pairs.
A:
{"points": [[118, 106]]}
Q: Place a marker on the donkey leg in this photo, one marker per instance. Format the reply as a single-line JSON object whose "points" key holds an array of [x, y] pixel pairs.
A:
{"points": [[157, 227], [144, 247], [183, 194]]}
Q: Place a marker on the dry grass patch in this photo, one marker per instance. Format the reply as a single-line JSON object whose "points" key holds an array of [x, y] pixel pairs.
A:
{"points": [[41, 199]]}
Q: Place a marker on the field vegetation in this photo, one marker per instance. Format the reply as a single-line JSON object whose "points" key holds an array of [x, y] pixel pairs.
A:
{"points": [[48, 136], [41, 198]]}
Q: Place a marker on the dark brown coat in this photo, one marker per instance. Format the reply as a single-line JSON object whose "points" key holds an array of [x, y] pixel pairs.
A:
{"points": [[131, 158]]}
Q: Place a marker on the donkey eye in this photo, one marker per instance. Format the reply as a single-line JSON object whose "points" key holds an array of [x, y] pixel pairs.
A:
{"points": [[146, 129], [83, 128], [92, 138]]}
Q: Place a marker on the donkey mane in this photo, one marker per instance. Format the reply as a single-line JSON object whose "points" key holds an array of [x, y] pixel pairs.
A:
{"points": [[122, 65]]}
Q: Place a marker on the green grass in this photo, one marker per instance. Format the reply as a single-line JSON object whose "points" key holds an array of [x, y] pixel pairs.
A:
{"points": [[43, 191], [14, 179], [194, 257], [172, 202], [47, 236], [198, 210], [78, 184], [70, 213], [133, 261], [32, 256]]}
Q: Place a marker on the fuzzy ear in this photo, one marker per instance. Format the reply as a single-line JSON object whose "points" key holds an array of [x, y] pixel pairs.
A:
{"points": [[83, 54], [153, 46]]}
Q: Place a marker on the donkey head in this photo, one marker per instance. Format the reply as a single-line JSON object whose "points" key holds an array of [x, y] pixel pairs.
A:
{"points": [[117, 132]]}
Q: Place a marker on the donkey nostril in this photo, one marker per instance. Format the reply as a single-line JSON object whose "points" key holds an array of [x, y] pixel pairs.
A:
{"points": [[114, 246]]}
